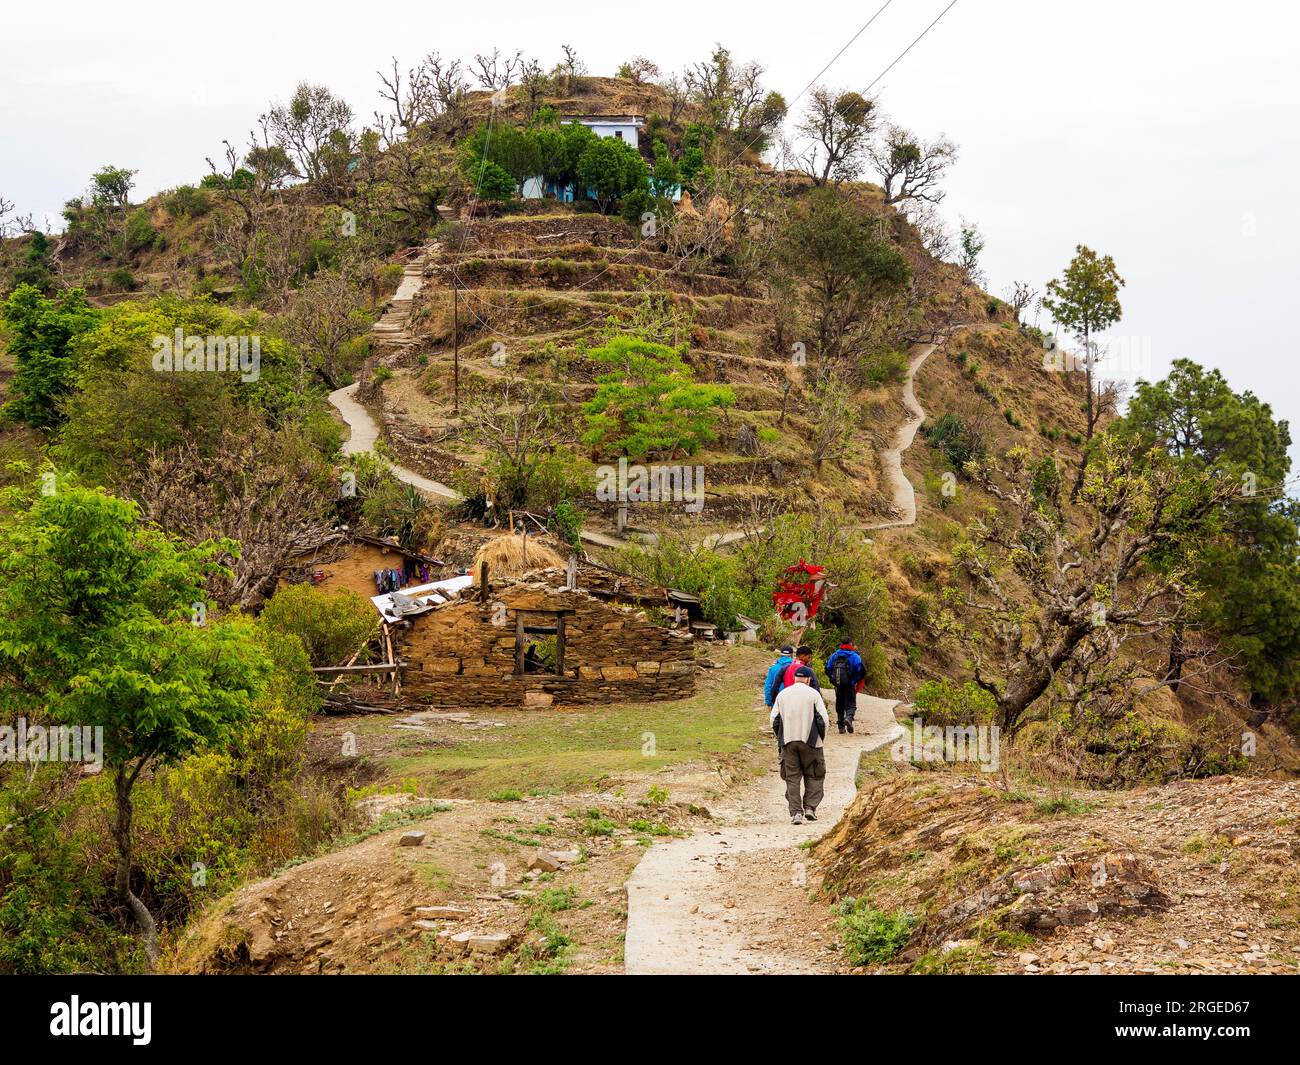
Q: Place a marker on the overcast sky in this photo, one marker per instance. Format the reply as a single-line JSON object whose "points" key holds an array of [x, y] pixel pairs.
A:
{"points": [[1166, 135]]}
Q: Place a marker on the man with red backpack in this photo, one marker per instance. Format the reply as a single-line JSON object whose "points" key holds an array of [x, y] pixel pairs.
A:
{"points": [[847, 673]]}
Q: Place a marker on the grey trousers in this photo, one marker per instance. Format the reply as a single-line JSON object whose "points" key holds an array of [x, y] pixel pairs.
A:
{"points": [[806, 766]]}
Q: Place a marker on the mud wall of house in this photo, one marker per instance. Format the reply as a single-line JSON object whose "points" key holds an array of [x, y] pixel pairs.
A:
{"points": [[355, 571], [457, 656]]}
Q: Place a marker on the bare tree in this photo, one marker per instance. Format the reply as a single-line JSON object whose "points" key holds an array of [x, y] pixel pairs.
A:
{"points": [[638, 70], [517, 424], [678, 94], [935, 235], [840, 125], [268, 492], [251, 190], [315, 129], [832, 417], [13, 224], [497, 69], [323, 317], [1020, 295], [450, 92], [535, 84], [570, 70], [411, 99], [1089, 590], [910, 168]]}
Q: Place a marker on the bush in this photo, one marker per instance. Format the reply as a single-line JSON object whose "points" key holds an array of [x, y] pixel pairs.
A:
{"points": [[139, 234], [955, 440], [877, 669], [941, 702], [869, 936], [884, 367], [331, 627], [121, 280], [566, 523], [185, 201]]}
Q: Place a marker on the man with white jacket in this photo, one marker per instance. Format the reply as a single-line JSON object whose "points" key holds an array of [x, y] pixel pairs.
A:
{"points": [[799, 720]]}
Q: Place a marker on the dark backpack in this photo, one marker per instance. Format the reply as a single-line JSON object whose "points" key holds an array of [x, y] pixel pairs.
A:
{"points": [[841, 670]]}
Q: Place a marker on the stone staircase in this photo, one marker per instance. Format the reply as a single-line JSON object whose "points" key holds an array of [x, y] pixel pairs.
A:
{"points": [[391, 335]]}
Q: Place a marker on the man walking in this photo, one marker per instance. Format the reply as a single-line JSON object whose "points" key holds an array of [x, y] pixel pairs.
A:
{"points": [[799, 720], [846, 672], [802, 657], [776, 675]]}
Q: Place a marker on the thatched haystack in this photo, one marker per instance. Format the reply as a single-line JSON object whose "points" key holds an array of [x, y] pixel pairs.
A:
{"points": [[513, 556]]}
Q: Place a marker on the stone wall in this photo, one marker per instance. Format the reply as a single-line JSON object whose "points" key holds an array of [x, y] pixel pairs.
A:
{"points": [[457, 656]]}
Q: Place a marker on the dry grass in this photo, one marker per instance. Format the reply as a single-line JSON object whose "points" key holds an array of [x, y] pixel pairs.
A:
{"points": [[513, 556]]}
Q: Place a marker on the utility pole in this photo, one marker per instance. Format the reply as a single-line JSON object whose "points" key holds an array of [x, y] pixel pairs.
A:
{"points": [[455, 313]]}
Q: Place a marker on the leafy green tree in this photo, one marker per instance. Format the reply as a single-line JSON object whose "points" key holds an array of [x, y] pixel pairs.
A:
{"points": [[111, 187], [98, 615], [647, 403], [847, 269], [516, 151], [42, 342], [1248, 578], [611, 168], [492, 182], [1085, 300]]}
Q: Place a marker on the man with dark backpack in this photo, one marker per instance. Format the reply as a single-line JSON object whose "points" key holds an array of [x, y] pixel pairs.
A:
{"points": [[846, 672]]}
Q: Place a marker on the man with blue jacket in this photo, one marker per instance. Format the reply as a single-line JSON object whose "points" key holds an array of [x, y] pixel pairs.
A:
{"points": [[774, 683], [846, 672]]}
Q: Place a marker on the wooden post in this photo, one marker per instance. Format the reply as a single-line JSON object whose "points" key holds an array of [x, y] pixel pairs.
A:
{"points": [[519, 644], [483, 582], [572, 583]]}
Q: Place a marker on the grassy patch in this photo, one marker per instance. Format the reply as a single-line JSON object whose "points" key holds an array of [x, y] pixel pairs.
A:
{"points": [[1063, 804], [560, 751]]}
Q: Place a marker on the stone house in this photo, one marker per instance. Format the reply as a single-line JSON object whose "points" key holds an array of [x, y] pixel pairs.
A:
{"points": [[532, 641]]}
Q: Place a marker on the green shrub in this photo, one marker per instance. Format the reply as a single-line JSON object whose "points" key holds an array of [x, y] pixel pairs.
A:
{"points": [[941, 702], [955, 440], [884, 367], [331, 627], [566, 523], [186, 201], [139, 234], [120, 279], [876, 666], [869, 936]]}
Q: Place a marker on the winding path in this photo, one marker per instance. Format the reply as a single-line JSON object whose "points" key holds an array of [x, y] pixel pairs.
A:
{"points": [[719, 901], [891, 459]]}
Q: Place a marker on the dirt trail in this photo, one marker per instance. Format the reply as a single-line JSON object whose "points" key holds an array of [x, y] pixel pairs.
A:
{"points": [[732, 899], [891, 459]]}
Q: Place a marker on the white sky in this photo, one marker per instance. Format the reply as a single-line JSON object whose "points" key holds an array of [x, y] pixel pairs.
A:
{"points": [[1164, 134]]}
